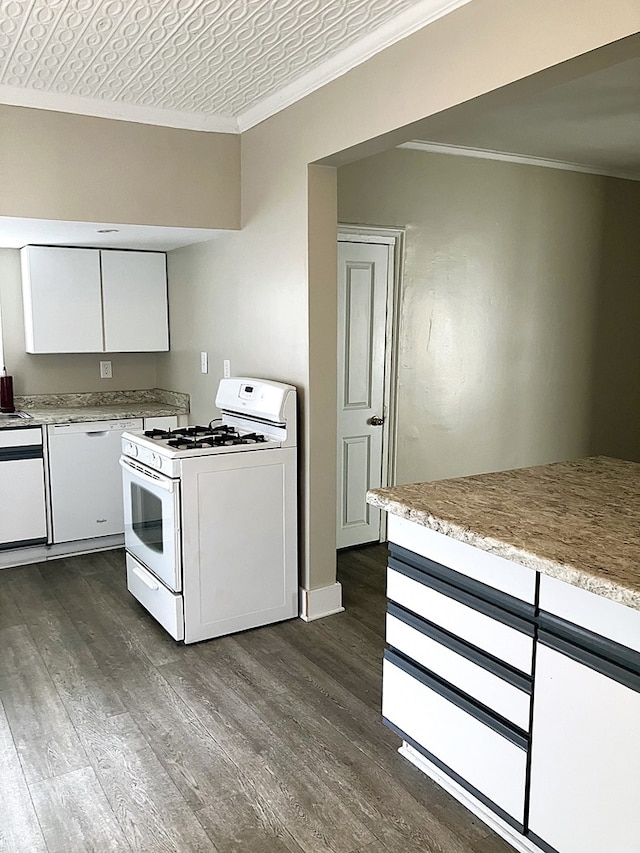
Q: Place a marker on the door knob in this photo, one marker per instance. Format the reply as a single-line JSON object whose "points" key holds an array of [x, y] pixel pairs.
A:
{"points": [[376, 421]]}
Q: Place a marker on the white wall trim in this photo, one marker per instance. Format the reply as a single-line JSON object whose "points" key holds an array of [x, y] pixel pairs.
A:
{"points": [[117, 110], [518, 841], [317, 603], [525, 160], [394, 237], [40, 553]]}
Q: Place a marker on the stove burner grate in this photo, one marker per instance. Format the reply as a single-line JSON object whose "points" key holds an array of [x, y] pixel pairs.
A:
{"points": [[198, 437]]}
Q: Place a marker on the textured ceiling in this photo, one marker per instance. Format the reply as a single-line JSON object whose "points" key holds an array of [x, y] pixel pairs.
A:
{"points": [[201, 61]]}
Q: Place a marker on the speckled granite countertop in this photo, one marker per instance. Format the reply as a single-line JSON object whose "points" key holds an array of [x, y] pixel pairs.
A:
{"points": [[576, 521], [97, 406]]}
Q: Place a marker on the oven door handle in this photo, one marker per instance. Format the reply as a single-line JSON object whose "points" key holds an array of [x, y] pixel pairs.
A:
{"points": [[158, 483]]}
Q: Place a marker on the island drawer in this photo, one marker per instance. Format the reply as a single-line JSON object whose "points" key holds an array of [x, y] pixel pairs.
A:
{"points": [[591, 612], [496, 687], [487, 758], [489, 628], [497, 573]]}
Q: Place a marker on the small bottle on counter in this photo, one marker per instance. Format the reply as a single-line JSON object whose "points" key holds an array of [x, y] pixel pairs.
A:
{"points": [[6, 392]]}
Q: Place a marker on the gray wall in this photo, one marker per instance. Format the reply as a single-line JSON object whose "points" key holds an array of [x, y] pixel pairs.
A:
{"points": [[518, 303]]}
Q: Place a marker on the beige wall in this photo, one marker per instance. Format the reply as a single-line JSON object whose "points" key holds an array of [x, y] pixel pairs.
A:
{"points": [[500, 311], [284, 284], [615, 421], [77, 168], [272, 291], [68, 373]]}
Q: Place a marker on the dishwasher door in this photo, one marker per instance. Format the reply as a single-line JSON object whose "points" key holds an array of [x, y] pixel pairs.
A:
{"points": [[85, 480]]}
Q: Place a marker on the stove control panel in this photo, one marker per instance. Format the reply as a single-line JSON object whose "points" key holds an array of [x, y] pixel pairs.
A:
{"points": [[136, 449], [262, 399], [247, 392], [129, 449]]}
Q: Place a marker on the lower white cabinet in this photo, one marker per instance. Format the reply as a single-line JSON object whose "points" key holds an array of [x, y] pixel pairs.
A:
{"points": [[585, 757], [22, 494], [527, 712], [457, 615], [456, 734], [453, 661]]}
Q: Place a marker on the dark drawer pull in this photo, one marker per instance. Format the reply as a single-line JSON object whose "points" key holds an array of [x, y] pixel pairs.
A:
{"points": [[462, 648], [463, 597], [515, 736], [470, 585]]}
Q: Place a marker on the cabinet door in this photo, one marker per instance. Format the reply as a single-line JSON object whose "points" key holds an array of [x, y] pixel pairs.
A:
{"points": [[134, 298], [585, 760], [22, 497], [61, 295], [23, 517]]}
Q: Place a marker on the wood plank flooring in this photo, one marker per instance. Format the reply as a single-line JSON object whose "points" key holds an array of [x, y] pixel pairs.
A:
{"points": [[115, 738]]}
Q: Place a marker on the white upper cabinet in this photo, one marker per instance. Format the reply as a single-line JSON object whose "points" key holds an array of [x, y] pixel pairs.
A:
{"points": [[92, 300], [62, 301], [134, 301]]}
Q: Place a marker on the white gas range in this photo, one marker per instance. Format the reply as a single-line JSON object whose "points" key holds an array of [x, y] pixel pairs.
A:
{"points": [[211, 515]]}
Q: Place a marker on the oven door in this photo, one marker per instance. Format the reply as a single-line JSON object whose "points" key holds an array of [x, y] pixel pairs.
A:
{"points": [[152, 521]]}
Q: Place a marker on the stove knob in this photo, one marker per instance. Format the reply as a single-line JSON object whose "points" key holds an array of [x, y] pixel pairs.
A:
{"points": [[156, 460], [131, 450]]}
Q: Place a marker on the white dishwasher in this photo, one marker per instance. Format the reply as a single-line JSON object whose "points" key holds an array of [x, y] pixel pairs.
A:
{"points": [[85, 478]]}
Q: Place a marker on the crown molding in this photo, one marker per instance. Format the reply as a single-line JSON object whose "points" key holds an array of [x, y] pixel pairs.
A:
{"points": [[418, 16], [526, 160], [37, 99], [399, 27]]}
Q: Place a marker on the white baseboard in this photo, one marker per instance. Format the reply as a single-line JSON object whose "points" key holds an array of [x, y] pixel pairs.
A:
{"points": [[510, 835], [316, 603], [40, 553]]}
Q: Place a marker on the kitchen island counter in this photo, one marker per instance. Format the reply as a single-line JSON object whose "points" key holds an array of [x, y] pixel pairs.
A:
{"points": [[575, 521], [512, 666], [97, 406]]}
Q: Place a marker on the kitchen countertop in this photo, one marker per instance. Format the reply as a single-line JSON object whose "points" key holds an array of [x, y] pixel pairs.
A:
{"points": [[576, 521], [97, 406]]}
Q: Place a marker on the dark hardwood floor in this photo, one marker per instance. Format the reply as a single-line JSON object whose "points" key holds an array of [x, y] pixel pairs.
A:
{"points": [[113, 737]]}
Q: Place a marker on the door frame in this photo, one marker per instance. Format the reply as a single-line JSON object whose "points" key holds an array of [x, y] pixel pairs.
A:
{"points": [[394, 239]]}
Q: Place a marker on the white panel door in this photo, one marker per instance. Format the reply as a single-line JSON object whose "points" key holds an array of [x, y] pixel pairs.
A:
{"points": [[363, 271], [134, 297]]}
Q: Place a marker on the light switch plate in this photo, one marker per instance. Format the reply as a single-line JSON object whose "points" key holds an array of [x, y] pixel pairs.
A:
{"points": [[204, 362], [226, 368]]}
